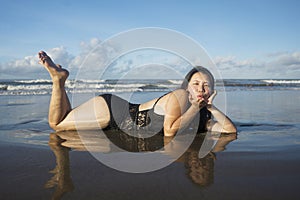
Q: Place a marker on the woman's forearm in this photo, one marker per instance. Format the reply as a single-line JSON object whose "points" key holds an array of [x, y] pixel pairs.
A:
{"points": [[182, 122], [221, 123]]}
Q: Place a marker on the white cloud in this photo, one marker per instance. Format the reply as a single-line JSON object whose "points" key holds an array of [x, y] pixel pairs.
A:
{"points": [[27, 65], [61, 56], [94, 58], [148, 63], [90, 60], [291, 60], [275, 65], [285, 64]]}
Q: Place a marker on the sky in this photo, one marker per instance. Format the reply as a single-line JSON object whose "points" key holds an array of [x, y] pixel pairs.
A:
{"points": [[245, 39]]}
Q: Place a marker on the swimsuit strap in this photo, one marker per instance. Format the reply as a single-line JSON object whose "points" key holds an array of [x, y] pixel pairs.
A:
{"points": [[156, 101], [159, 99]]}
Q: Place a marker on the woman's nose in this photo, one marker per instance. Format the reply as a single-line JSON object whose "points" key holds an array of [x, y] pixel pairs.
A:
{"points": [[200, 88]]}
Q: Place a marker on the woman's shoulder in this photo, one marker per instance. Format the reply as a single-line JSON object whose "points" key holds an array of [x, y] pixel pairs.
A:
{"points": [[176, 101], [178, 95]]}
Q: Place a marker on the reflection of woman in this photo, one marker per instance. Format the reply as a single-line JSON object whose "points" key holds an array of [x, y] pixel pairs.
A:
{"points": [[61, 180], [169, 114], [201, 170]]}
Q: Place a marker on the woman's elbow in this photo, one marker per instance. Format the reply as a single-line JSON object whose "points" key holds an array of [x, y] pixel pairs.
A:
{"points": [[229, 129], [223, 128], [169, 132]]}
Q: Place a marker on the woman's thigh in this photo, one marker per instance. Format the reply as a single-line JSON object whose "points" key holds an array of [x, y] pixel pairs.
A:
{"points": [[93, 114]]}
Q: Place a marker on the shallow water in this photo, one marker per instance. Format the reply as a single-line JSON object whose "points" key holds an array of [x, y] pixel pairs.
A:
{"points": [[261, 163]]}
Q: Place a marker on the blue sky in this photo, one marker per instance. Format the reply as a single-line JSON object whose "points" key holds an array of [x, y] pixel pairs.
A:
{"points": [[246, 39]]}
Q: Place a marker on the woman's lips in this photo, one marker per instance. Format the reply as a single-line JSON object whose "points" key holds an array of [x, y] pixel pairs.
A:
{"points": [[199, 96]]}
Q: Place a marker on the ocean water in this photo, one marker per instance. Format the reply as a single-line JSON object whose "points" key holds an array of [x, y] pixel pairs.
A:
{"points": [[254, 105], [261, 163], [43, 86]]}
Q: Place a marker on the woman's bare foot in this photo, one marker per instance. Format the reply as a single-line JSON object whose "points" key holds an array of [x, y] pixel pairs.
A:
{"points": [[56, 71]]}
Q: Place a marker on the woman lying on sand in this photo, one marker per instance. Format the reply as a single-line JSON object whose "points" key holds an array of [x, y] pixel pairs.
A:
{"points": [[171, 112]]}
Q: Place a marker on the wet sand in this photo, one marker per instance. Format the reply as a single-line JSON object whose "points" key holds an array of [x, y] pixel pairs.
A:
{"points": [[262, 163], [236, 174]]}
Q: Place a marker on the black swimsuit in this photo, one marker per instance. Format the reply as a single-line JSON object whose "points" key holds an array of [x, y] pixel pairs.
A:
{"points": [[126, 116]]}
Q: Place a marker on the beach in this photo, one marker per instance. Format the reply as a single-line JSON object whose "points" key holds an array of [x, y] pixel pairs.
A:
{"points": [[261, 161]]}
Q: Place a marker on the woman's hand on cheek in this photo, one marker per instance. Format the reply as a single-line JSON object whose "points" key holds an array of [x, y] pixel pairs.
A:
{"points": [[211, 98]]}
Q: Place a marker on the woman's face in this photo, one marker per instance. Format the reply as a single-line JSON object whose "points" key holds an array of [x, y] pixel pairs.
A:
{"points": [[200, 86]]}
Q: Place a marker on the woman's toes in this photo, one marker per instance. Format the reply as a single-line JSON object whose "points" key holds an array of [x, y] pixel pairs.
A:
{"points": [[42, 56], [46, 60]]}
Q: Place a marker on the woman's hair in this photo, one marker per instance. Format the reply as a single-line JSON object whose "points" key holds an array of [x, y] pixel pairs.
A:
{"points": [[196, 69]]}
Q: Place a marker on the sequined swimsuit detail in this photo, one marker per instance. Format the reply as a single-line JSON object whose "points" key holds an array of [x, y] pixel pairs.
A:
{"points": [[126, 116]]}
